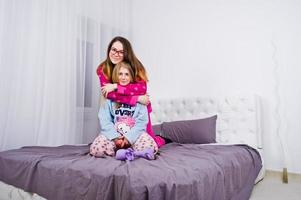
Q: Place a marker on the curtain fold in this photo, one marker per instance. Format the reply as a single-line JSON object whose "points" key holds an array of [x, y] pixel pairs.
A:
{"points": [[38, 60], [49, 52]]}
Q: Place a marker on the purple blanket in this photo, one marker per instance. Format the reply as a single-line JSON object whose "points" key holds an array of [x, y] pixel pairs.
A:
{"points": [[181, 171]]}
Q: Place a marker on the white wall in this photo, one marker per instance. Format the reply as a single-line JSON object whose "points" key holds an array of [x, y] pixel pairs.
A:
{"points": [[235, 47]]}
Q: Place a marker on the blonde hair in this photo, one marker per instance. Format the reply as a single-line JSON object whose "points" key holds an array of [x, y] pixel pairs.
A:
{"points": [[115, 78]]}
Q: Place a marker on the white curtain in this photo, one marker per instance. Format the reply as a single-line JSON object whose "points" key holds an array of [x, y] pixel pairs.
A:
{"points": [[38, 74], [49, 51]]}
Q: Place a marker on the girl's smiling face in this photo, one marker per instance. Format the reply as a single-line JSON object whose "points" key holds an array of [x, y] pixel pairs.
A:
{"points": [[124, 76], [116, 53]]}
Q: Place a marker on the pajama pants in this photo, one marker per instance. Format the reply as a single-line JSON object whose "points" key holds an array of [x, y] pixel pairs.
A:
{"points": [[102, 146]]}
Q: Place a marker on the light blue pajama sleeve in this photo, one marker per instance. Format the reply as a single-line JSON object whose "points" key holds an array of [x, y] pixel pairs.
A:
{"points": [[106, 120]]}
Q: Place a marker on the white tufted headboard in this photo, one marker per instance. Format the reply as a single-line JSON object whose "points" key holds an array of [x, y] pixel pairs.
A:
{"points": [[238, 118]]}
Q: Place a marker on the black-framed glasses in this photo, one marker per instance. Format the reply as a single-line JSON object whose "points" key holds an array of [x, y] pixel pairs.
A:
{"points": [[116, 52]]}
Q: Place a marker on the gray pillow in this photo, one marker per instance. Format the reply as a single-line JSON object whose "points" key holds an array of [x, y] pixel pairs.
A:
{"points": [[199, 131]]}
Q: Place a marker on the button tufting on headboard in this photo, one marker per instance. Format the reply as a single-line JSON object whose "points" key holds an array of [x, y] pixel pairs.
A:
{"points": [[237, 122]]}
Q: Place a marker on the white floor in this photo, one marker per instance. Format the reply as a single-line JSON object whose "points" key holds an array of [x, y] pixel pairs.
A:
{"points": [[272, 187]]}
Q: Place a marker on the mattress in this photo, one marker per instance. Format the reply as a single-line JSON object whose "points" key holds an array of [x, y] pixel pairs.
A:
{"points": [[181, 171]]}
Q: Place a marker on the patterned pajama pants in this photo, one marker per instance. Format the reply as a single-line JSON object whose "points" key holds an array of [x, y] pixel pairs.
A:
{"points": [[102, 146]]}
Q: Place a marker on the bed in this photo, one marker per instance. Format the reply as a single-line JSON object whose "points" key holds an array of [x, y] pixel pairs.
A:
{"points": [[225, 170]]}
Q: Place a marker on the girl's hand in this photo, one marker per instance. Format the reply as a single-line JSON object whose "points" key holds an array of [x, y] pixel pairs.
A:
{"points": [[109, 87], [118, 143], [122, 143], [144, 99], [126, 143]]}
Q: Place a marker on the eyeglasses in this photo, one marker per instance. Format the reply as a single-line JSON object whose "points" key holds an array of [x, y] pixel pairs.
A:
{"points": [[116, 52]]}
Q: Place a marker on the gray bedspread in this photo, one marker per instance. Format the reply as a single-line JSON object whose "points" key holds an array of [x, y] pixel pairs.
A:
{"points": [[181, 171]]}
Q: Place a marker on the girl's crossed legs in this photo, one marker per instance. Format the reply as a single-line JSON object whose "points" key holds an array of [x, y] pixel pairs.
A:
{"points": [[102, 146]]}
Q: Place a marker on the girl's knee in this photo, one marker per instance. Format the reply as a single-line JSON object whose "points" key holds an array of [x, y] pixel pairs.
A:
{"points": [[145, 142], [96, 153], [102, 146]]}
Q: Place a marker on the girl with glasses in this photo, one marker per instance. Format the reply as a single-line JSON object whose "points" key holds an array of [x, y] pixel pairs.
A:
{"points": [[119, 50]]}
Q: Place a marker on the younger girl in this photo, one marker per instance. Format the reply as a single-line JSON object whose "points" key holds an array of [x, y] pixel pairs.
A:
{"points": [[122, 125]]}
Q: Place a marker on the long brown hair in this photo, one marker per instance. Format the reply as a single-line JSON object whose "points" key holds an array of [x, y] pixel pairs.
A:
{"points": [[128, 57]]}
